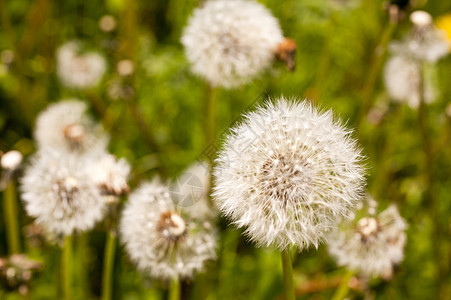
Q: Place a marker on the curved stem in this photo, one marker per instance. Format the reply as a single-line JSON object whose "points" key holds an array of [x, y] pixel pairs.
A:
{"points": [[174, 289], [343, 290], [11, 217], [67, 267], [288, 275], [108, 266]]}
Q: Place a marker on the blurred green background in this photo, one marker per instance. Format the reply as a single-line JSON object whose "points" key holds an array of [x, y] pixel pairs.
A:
{"points": [[157, 124]]}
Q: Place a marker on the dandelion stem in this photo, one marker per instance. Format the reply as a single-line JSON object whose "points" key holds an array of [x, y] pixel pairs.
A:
{"points": [[368, 88], [11, 217], [108, 265], [210, 123], [430, 187], [174, 289], [288, 275], [67, 268], [343, 290]]}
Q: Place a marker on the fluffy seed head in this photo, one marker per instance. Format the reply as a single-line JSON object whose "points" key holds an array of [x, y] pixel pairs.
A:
{"points": [[425, 42], [230, 42], [79, 71], [371, 245], [57, 191], [402, 79], [64, 126], [286, 173], [165, 241], [110, 176], [191, 191], [11, 160]]}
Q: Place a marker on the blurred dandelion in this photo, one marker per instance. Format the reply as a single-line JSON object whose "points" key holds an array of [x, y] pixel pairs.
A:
{"points": [[11, 160], [64, 126], [228, 43], [403, 77], [110, 176], [79, 70], [163, 240], [371, 245], [424, 42], [191, 190], [409, 72], [58, 192]]}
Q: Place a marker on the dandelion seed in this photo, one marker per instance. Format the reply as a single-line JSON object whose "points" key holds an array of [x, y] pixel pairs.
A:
{"points": [[286, 173], [58, 192], [64, 126], [371, 245], [230, 42], [76, 70], [163, 240]]}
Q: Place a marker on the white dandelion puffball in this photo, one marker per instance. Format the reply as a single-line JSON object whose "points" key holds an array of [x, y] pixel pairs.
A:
{"points": [[11, 160], [230, 42], [163, 240], [76, 70], [110, 175], [371, 245], [425, 42], [286, 173], [66, 127], [57, 191], [191, 190], [402, 79]]}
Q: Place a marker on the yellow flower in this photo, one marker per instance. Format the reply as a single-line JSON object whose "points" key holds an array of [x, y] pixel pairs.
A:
{"points": [[444, 23]]}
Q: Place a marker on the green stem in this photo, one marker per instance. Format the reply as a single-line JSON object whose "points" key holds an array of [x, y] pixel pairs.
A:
{"points": [[288, 275], [430, 197], [343, 290], [11, 217], [108, 266], [174, 289], [66, 265], [210, 123], [368, 88]]}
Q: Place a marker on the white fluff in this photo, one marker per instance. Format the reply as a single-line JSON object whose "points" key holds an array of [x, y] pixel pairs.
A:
{"points": [[230, 42], [64, 126], [79, 71], [371, 245], [402, 78], [57, 191], [287, 172], [176, 252]]}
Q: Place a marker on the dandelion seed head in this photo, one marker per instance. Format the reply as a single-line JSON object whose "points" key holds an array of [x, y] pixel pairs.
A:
{"points": [[402, 79], [191, 191], [11, 160], [230, 42], [286, 173], [76, 70], [425, 42], [371, 245], [66, 127], [57, 191], [421, 18], [110, 175], [163, 240]]}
